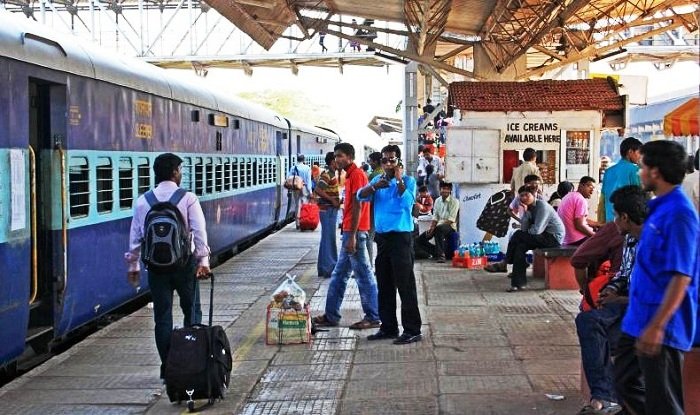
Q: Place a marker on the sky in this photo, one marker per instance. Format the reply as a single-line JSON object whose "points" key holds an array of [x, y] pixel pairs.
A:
{"points": [[349, 100]]}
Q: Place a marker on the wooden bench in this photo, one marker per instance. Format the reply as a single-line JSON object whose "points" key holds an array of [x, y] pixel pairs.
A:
{"points": [[553, 264], [691, 381]]}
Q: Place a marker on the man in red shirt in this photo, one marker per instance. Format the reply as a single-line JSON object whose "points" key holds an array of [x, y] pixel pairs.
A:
{"points": [[353, 254]]}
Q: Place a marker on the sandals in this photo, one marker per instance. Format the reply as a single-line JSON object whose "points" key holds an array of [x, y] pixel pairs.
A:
{"points": [[322, 321], [365, 324]]}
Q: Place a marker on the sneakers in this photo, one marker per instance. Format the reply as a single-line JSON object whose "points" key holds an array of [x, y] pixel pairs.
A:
{"points": [[407, 338], [516, 289], [441, 259], [322, 321], [365, 324]]}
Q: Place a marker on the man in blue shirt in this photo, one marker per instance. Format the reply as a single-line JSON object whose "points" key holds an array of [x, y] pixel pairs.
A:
{"points": [[660, 321], [624, 173], [393, 195]]}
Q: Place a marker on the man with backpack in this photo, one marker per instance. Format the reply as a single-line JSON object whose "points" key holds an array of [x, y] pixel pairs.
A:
{"points": [[168, 232]]}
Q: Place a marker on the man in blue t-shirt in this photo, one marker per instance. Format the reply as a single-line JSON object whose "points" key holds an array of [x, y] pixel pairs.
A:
{"points": [[660, 321], [393, 195], [624, 173]]}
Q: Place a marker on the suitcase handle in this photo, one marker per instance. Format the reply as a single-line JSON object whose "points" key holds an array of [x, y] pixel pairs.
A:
{"points": [[211, 298]]}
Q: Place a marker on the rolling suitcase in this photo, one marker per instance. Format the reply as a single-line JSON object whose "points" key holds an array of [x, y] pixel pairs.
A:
{"points": [[199, 362], [308, 217]]}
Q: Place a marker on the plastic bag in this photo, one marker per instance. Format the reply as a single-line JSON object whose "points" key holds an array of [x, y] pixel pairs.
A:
{"points": [[289, 294]]}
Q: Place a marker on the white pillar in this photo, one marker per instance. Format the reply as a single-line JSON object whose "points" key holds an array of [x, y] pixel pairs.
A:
{"points": [[410, 118]]}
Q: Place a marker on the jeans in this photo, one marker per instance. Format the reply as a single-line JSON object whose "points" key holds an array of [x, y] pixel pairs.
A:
{"points": [[328, 248], [366, 284], [519, 244], [598, 333], [649, 385], [394, 267], [162, 287]]}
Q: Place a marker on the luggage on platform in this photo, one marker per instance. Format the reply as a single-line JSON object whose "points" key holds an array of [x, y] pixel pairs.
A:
{"points": [[199, 362], [308, 217]]}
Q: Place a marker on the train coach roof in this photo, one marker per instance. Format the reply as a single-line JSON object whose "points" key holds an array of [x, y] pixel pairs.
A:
{"points": [[27, 41], [313, 130]]}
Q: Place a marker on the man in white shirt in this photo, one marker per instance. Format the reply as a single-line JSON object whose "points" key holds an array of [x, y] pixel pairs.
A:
{"points": [[435, 161], [691, 183], [444, 221], [529, 167], [168, 172]]}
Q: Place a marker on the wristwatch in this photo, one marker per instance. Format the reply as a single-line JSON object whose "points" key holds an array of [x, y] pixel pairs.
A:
{"points": [[399, 181]]}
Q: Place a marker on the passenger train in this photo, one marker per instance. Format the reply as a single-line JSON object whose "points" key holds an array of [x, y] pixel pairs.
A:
{"points": [[78, 135]]}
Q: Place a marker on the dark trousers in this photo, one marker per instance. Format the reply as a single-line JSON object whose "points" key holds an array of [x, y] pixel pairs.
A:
{"points": [[442, 234], [394, 270], [598, 334], [519, 244], [649, 385], [162, 287]]}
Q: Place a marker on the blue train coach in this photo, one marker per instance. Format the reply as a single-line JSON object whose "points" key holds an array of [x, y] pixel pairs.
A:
{"points": [[78, 135]]}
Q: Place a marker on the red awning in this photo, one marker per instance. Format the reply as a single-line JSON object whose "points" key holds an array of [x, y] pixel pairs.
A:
{"points": [[683, 120]]}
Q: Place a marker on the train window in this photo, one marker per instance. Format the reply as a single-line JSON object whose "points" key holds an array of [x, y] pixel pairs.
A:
{"points": [[218, 174], [270, 171], [79, 186], [198, 177], [256, 173], [234, 173], [248, 172], [227, 174], [209, 166], [186, 181], [105, 175], [126, 183], [236, 124], [144, 175]]}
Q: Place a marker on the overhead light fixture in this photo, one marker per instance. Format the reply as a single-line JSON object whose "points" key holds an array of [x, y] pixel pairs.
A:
{"points": [[609, 54], [393, 59]]}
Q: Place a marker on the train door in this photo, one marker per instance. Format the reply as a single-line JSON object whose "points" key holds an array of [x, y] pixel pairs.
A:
{"points": [[47, 132], [298, 147], [281, 172]]}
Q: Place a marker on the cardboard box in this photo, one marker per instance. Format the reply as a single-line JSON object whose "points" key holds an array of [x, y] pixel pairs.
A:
{"points": [[287, 326]]}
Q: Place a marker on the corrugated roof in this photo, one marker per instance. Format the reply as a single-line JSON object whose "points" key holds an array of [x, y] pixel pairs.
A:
{"points": [[586, 94]]}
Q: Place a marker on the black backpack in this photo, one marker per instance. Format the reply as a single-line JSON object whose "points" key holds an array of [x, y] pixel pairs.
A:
{"points": [[167, 243]]}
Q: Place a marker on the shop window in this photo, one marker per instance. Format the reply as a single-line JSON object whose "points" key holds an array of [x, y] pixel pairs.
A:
{"points": [[126, 183], [79, 187], [144, 175]]}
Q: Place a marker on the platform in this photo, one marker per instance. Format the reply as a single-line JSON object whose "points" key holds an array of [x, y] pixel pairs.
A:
{"points": [[485, 351]]}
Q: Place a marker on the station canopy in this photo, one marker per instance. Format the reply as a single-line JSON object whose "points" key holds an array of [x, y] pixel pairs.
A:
{"points": [[683, 121], [551, 34]]}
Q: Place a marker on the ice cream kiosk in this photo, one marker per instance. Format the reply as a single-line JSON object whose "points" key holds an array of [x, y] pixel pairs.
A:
{"points": [[494, 122]]}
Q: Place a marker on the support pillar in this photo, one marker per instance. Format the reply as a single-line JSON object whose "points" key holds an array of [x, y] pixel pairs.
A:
{"points": [[410, 118]]}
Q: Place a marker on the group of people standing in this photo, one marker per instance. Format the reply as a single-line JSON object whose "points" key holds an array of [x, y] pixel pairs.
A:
{"points": [[383, 204]]}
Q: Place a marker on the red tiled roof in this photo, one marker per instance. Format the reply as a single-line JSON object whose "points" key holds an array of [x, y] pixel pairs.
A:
{"points": [[586, 94]]}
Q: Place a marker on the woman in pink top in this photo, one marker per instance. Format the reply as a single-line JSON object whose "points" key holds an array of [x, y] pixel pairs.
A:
{"points": [[573, 211]]}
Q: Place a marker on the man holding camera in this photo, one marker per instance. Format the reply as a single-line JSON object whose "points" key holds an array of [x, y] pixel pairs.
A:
{"points": [[393, 195]]}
